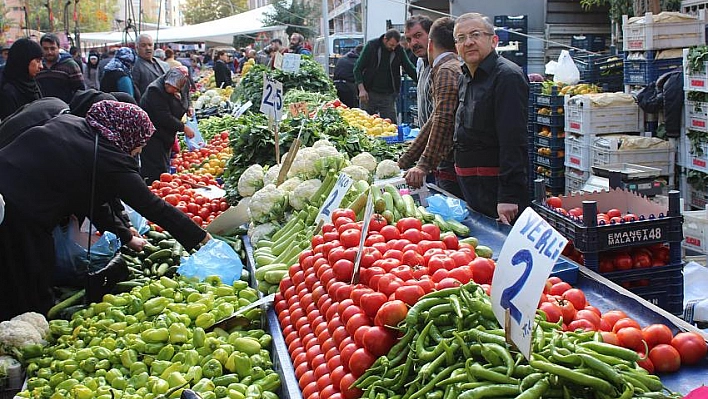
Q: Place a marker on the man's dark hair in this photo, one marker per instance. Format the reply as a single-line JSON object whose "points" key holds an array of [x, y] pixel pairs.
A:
{"points": [[73, 50], [441, 33], [169, 53], [393, 34], [276, 40], [220, 53], [424, 21], [50, 37]]}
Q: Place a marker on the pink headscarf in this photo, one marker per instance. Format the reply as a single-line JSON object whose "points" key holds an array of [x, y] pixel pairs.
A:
{"points": [[125, 125]]}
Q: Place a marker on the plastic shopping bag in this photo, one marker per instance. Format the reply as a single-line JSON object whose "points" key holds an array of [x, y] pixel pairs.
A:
{"points": [[71, 263], [448, 208], [566, 71], [215, 258], [197, 141], [136, 219]]}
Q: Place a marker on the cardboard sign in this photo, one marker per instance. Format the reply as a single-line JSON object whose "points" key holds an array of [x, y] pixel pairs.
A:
{"points": [[291, 62], [364, 232], [297, 109], [278, 61], [334, 199], [524, 264], [272, 101]]}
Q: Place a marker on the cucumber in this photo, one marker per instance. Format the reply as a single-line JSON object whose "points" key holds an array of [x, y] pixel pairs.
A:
{"points": [[388, 215], [159, 255], [470, 240], [440, 222], [166, 243], [397, 199], [458, 228], [260, 272], [156, 235], [274, 276], [409, 205], [427, 216], [360, 202], [379, 203], [388, 201], [484, 251]]}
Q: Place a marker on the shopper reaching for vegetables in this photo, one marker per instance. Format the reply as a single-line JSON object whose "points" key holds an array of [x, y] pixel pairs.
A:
{"points": [[47, 174]]}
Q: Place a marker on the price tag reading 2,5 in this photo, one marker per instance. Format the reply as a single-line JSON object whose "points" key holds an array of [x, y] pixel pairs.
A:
{"points": [[272, 102], [525, 262], [334, 199]]}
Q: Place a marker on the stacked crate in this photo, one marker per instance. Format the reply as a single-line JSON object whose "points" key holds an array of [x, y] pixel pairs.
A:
{"points": [[513, 29], [549, 133], [407, 101], [603, 70], [534, 88], [584, 122], [693, 144]]}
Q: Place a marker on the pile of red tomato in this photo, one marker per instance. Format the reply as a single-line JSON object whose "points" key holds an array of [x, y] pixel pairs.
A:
{"points": [[611, 216], [666, 352], [178, 191], [655, 255], [211, 157], [335, 330]]}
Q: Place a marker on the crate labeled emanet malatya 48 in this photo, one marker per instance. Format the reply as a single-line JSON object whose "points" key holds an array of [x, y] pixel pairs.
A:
{"points": [[584, 219]]}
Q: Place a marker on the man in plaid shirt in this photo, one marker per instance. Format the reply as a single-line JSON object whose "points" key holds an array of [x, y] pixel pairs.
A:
{"points": [[432, 150]]}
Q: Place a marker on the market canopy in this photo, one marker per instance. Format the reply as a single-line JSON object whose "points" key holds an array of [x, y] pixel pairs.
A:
{"points": [[218, 31]]}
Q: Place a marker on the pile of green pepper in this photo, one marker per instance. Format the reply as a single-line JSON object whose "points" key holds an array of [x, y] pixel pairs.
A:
{"points": [[453, 347], [150, 343]]}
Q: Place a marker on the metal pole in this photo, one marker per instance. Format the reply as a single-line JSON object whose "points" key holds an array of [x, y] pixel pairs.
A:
{"points": [[325, 35]]}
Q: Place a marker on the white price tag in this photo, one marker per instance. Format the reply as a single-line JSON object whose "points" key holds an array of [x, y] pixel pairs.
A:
{"points": [[278, 61], [291, 62], [334, 199], [272, 101], [364, 232], [524, 264]]}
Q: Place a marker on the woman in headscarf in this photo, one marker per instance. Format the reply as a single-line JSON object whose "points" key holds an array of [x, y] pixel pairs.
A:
{"points": [[166, 103], [116, 75], [17, 84], [69, 153], [91, 72]]}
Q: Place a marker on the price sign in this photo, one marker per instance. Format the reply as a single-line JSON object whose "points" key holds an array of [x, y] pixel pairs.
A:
{"points": [[291, 62], [334, 199], [364, 232], [272, 102], [297, 109], [524, 264], [238, 111], [278, 60]]}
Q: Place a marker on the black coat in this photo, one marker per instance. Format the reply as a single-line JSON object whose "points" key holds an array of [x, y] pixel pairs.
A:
{"points": [[345, 67], [222, 74]]}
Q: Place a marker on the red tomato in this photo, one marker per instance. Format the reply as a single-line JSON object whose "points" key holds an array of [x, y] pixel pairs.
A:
{"points": [[337, 374], [388, 284], [388, 264], [343, 212], [390, 232], [451, 241], [347, 389], [462, 274], [626, 322], [349, 312], [646, 364], [552, 310], [610, 338], [433, 230], [630, 217], [665, 358], [373, 239], [391, 313], [377, 222], [641, 260], [691, 346], [345, 354], [631, 338], [404, 272], [589, 315], [359, 335], [366, 273], [413, 258], [426, 284], [447, 282], [378, 340], [439, 275], [360, 361], [460, 258], [412, 235], [350, 238], [357, 321], [409, 294], [554, 202], [567, 309], [393, 254], [408, 223], [482, 270], [612, 316], [560, 288], [581, 324], [656, 334], [440, 261], [343, 270], [371, 302], [576, 297]]}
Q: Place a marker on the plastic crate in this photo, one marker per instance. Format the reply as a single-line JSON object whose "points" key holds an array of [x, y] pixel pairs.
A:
{"points": [[656, 36], [642, 72], [694, 80], [554, 143], [577, 152], [695, 230], [549, 100], [693, 160], [605, 152], [553, 120], [575, 179], [655, 224], [554, 180], [566, 271], [588, 42], [582, 117], [661, 285], [696, 115], [549, 161], [593, 67], [696, 198]]}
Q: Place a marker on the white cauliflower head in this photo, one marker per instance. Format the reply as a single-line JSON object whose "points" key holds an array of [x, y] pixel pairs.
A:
{"points": [[322, 143], [356, 172], [15, 335], [365, 160], [300, 197], [329, 160], [267, 204], [38, 321], [271, 175], [327, 151], [304, 163], [261, 231], [387, 168], [290, 184], [250, 181]]}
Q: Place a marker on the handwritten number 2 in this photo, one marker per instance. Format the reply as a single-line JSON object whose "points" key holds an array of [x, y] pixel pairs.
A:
{"points": [[325, 209], [524, 256], [269, 91]]}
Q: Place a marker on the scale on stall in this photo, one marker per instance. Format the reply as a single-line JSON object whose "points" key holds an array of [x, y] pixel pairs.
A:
{"points": [[628, 176]]}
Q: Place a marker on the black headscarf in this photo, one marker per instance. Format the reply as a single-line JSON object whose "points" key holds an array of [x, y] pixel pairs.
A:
{"points": [[16, 70]]}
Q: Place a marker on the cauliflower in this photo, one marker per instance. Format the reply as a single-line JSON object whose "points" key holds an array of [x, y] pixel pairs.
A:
{"points": [[327, 151], [304, 163], [329, 160], [250, 181], [290, 184], [356, 172], [36, 320], [267, 204], [322, 143], [300, 197], [20, 339], [387, 168], [271, 175], [365, 160], [261, 231]]}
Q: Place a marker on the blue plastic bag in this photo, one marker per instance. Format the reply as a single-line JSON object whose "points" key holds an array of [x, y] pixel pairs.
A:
{"points": [[447, 207], [215, 258], [197, 141], [136, 219], [71, 264]]}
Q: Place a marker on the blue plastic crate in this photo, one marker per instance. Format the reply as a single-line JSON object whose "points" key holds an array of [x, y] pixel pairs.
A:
{"points": [[646, 71], [553, 120], [566, 271], [589, 42], [554, 143], [550, 162], [598, 68], [546, 100], [554, 180], [661, 285]]}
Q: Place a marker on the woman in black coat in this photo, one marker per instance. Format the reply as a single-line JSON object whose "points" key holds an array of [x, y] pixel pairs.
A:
{"points": [[165, 102], [17, 84], [55, 181]]}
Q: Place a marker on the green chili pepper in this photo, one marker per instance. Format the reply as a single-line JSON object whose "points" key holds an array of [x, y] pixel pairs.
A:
{"points": [[498, 390], [204, 385], [573, 376], [226, 380], [212, 369]]}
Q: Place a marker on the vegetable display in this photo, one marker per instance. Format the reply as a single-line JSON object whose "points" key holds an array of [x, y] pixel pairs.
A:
{"points": [[151, 343], [211, 159], [179, 191]]}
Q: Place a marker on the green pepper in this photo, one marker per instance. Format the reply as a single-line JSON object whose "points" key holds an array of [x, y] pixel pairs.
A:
{"points": [[79, 374], [44, 372], [155, 335], [257, 373], [176, 379], [265, 340], [270, 382], [137, 368], [239, 363], [160, 387], [139, 380], [198, 337], [168, 293], [116, 314], [62, 354], [128, 357], [178, 333], [159, 366], [234, 394], [36, 382], [119, 383], [224, 290], [254, 391], [168, 282], [204, 385], [69, 366], [191, 357], [156, 287], [103, 364], [247, 293], [194, 373], [166, 352], [239, 387], [205, 320], [226, 380], [83, 354], [221, 355], [101, 352], [224, 310], [79, 391], [155, 305], [212, 369], [261, 361], [208, 395], [173, 367], [89, 365], [60, 327], [221, 392], [66, 384], [195, 309], [248, 346]]}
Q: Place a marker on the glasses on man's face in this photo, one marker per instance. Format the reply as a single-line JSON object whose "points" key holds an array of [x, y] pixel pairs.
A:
{"points": [[474, 36]]}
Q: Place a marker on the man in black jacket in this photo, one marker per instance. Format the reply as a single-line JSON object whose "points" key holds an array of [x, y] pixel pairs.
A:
{"points": [[378, 74], [222, 74], [344, 77]]}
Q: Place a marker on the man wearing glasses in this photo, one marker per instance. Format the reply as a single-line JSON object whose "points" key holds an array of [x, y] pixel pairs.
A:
{"points": [[491, 158]]}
